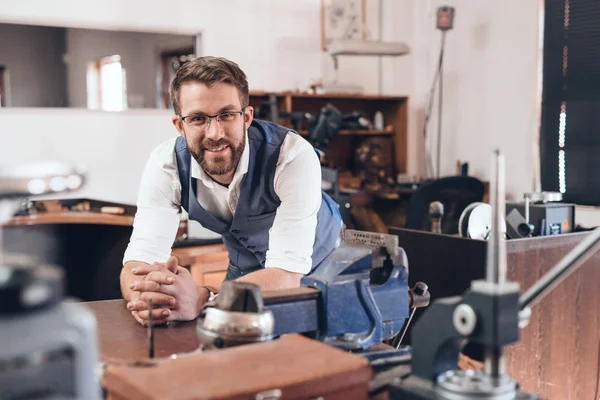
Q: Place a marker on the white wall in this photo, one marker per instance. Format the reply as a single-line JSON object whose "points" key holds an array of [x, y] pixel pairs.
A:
{"points": [[113, 148], [276, 42], [490, 85], [490, 78]]}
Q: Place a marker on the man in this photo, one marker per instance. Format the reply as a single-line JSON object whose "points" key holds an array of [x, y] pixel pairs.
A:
{"points": [[256, 183]]}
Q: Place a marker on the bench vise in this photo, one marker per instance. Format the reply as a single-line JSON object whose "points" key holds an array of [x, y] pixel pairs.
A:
{"points": [[356, 298]]}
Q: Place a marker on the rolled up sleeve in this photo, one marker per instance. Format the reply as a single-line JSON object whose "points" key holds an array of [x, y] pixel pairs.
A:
{"points": [[158, 209], [298, 185]]}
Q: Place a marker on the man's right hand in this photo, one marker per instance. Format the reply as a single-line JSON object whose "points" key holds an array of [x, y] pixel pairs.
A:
{"points": [[157, 313], [176, 291], [139, 289]]}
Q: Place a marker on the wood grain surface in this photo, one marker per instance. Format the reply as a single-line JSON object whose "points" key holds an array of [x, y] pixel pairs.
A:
{"points": [[558, 356], [298, 366], [71, 217], [122, 339]]}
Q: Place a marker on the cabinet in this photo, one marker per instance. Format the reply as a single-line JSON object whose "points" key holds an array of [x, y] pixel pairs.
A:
{"points": [[341, 150], [207, 264]]}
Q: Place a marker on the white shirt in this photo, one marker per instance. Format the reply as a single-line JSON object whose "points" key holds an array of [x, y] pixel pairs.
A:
{"points": [[297, 182]]}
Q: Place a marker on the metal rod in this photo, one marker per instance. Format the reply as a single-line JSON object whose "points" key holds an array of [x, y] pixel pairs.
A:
{"points": [[496, 250], [440, 102], [150, 330], [565, 267], [494, 363], [406, 327]]}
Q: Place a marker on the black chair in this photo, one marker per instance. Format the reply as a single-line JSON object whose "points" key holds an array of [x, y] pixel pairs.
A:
{"points": [[454, 192]]}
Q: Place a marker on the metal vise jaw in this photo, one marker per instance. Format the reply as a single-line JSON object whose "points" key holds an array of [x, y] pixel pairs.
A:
{"points": [[364, 291]]}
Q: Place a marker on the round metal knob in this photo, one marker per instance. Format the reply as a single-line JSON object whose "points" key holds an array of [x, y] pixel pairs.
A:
{"points": [[436, 209], [421, 288]]}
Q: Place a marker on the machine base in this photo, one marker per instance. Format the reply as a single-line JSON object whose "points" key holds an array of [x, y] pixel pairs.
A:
{"points": [[414, 388]]}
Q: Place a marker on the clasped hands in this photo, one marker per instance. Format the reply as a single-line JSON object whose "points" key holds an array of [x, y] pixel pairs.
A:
{"points": [[171, 289]]}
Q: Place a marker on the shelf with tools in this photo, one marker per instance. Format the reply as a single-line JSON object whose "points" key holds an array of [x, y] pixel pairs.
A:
{"points": [[367, 154], [299, 110]]}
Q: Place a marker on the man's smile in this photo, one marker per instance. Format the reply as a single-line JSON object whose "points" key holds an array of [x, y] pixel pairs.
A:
{"points": [[216, 150]]}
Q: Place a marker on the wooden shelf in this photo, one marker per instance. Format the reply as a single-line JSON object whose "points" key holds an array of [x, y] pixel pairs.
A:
{"points": [[341, 150], [370, 132]]}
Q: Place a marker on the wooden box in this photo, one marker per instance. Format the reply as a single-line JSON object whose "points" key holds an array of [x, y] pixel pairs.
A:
{"points": [[291, 367]]}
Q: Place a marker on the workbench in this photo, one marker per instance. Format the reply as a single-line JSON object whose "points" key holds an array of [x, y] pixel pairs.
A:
{"points": [[558, 354], [123, 340]]}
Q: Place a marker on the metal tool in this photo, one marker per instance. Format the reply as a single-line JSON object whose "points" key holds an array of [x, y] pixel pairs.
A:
{"points": [[419, 297], [150, 330], [237, 317], [356, 298], [488, 314], [363, 287], [516, 225], [48, 345], [436, 212], [476, 222], [545, 213]]}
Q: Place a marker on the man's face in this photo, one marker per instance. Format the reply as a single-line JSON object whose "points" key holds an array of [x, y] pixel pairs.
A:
{"points": [[216, 143]]}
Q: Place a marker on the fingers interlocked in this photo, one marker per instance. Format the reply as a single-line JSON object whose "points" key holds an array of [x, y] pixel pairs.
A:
{"points": [[156, 282]]}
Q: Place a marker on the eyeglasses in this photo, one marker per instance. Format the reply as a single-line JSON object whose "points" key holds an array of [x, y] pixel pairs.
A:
{"points": [[201, 121]]}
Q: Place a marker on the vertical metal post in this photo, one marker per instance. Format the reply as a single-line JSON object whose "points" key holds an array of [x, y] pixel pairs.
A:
{"points": [[496, 255]]}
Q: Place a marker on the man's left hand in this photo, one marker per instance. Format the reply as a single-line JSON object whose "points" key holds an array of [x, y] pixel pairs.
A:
{"points": [[162, 285]]}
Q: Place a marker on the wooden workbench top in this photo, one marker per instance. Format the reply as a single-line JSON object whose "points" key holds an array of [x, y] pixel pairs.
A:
{"points": [[71, 217], [122, 338]]}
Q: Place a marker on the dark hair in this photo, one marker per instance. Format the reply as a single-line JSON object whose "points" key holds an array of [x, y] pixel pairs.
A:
{"points": [[209, 71]]}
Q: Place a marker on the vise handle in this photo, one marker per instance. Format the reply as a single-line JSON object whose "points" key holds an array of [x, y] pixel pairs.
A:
{"points": [[419, 296]]}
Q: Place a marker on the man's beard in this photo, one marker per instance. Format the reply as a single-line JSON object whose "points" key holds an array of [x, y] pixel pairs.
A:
{"points": [[218, 165]]}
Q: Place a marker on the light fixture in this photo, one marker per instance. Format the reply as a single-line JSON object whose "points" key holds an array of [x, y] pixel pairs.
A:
{"points": [[367, 48], [355, 47]]}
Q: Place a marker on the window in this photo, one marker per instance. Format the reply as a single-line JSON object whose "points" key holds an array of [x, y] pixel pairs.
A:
{"points": [[106, 84], [570, 125]]}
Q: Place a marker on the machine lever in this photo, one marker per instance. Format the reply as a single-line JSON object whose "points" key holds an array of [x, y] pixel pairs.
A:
{"points": [[406, 327], [419, 296]]}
